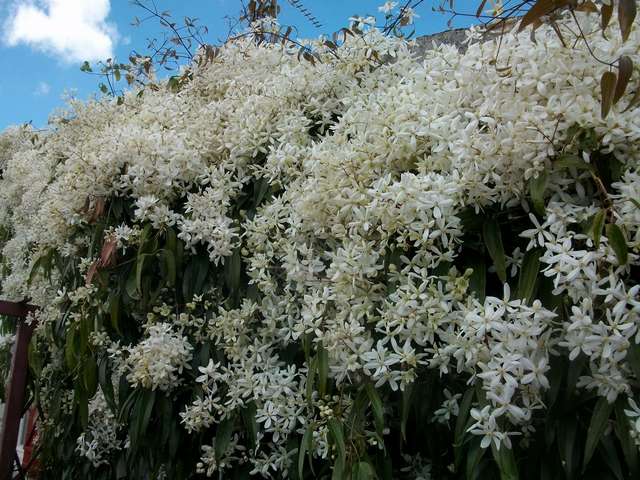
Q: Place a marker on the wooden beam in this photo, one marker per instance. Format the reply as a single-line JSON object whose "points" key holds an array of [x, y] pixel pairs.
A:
{"points": [[17, 386]]}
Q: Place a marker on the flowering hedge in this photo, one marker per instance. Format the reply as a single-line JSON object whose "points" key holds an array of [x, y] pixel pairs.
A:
{"points": [[402, 268]]}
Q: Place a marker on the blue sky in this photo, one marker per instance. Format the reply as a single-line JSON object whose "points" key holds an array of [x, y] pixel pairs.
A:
{"points": [[43, 42]]}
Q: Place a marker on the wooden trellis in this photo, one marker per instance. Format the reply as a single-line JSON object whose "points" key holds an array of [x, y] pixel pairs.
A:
{"points": [[16, 386]]}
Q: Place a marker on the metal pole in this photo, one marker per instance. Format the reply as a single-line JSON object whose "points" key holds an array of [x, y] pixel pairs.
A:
{"points": [[17, 386]]}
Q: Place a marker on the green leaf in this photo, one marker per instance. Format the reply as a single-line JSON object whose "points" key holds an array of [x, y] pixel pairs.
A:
{"points": [[407, 394], [70, 348], [223, 437], [148, 401], [597, 426], [82, 400], [103, 88], [506, 461], [90, 375], [170, 266], [114, 311], [596, 226], [629, 449], [116, 74], [474, 456], [363, 471], [232, 266], [567, 445], [537, 187], [478, 279], [633, 359], [311, 374], [337, 435], [572, 161], [609, 453], [461, 425], [305, 446], [140, 269], [493, 241], [618, 243], [376, 406], [529, 274], [250, 423], [86, 67], [323, 370]]}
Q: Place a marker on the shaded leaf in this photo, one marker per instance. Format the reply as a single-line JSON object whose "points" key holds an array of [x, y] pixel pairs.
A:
{"points": [[537, 187], [626, 16], [618, 242], [607, 88], [606, 11], [223, 437], [529, 274], [596, 226], [493, 241], [376, 406], [625, 69], [597, 426]]}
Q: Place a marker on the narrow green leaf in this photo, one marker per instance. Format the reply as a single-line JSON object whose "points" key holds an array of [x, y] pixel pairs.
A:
{"points": [[323, 369], [250, 423], [377, 407], [571, 161], [114, 311], [529, 274], [609, 454], [461, 425], [170, 266], [223, 437], [506, 461], [493, 241], [478, 279], [596, 226], [363, 471], [407, 395], [618, 242], [305, 446], [633, 359], [567, 443], [90, 375], [629, 449], [537, 188], [597, 426], [337, 435], [474, 456]]}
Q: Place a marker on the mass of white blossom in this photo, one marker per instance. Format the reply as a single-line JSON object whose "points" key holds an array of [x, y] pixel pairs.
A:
{"points": [[371, 156]]}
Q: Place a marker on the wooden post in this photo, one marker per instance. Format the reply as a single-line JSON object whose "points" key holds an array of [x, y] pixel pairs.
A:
{"points": [[17, 386]]}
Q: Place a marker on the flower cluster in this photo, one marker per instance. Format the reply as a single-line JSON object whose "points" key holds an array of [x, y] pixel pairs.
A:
{"points": [[159, 359], [295, 246]]}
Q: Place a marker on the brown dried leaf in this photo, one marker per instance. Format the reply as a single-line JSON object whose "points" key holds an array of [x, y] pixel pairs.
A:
{"points": [[97, 211], [108, 253], [626, 16], [539, 10], [607, 87], [587, 6], [625, 69], [606, 11], [93, 269]]}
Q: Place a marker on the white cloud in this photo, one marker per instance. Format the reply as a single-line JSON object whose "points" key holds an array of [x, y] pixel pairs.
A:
{"points": [[74, 30], [43, 88]]}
